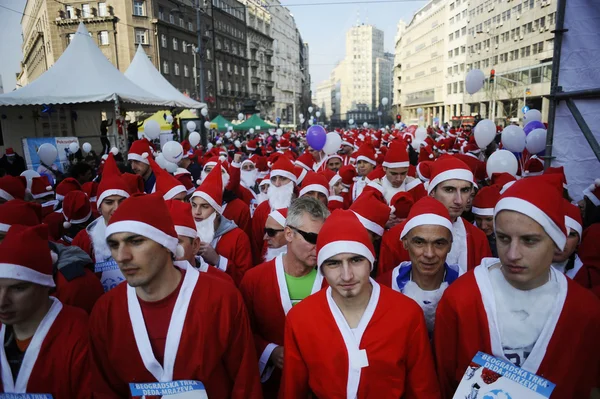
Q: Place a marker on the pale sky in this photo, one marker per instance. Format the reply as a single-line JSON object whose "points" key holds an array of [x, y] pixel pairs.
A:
{"points": [[323, 27]]}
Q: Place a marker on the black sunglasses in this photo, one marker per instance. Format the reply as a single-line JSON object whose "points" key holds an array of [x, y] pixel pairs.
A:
{"points": [[271, 232], [310, 238]]}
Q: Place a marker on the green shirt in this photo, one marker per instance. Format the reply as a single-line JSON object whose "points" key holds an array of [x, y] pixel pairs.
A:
{"points": [[300, 287]]}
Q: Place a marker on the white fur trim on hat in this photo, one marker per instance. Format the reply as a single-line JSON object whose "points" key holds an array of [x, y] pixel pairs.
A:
{"points": [[339, 247], [218, 208], [4, 194], [366, 159], [68, 223], [412, 184], [334, 180], [425, 219], [506, 186], [337, 198], [528, 209], [482, 211], [4, 227], [284, 173], [370, 225], [18, 272], [143, 229], [278, 217], [314, 187], [174, 191], [405, 164], [588, 192], [109, 193], [574, 225], [452, 174], [137, 157], [186, 231]]}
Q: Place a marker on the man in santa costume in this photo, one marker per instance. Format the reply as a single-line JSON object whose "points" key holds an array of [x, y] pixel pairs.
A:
{"points": [[334, 162], [274, 287], [483, 209], [427, 236], [167, 323], [45, 343], [43, 194], [395, 165], [274, 234], [315, 185], [518, 307], [365, 164], [280, 194], [166, 184], [222, 243], [138, 155], [350, 340], [12, 187]]}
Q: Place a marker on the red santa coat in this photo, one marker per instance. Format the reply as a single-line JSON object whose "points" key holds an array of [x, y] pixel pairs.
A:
{"points": [[81, 292], [268, 301], [392, 251], [390, 351], [239, 212], [83, 241], [214, 346], [233, 248], [57, 357], [566, 353], [587, 265]]}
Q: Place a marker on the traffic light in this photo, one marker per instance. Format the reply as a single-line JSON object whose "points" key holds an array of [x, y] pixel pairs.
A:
{"points": [[492, 75], [398, 118]]}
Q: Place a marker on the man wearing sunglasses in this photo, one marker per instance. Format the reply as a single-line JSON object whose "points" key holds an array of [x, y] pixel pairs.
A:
{"points": [[274, 234], [272, 288]]}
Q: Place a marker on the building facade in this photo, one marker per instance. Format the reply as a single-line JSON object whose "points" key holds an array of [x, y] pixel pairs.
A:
{"points": [[397, 68], [323, 99], [456, 57]]}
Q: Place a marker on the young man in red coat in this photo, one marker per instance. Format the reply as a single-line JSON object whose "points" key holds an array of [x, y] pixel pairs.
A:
{"points": [[44, 343], [451, 183], [167, 323], [222, 243], [519, 308], [272, 288], [351, 340]]}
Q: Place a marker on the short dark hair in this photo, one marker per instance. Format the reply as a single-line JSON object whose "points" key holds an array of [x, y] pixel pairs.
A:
{"points": [[79, 169]]}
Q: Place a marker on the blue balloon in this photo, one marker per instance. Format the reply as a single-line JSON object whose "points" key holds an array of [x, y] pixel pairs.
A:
{"points": [[533, 125], [316, 136]]}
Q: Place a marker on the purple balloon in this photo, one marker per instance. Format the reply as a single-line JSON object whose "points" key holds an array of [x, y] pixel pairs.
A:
{"points": [[533, 125], [316, 136]]}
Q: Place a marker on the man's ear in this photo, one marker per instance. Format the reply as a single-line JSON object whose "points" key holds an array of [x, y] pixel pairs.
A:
{"points": [[405, 243], [289, 234], [196, 244]]}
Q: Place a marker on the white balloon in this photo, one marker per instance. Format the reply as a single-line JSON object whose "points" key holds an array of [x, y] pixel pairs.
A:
{"points": [[207, 124], [172, 151], [47, 153], [302, 121], [318, 114], [204, 111], [310, 110], [73, 147], [532, 115], [194, 139], [332, 144], [351, 122], [209, 146], [513, 138], [536, 141], [152, 129], [240, 116], [310, 122], [365, 124], [191, 126], [169, 118], [419, 111], [384, 101], [421, 134], [485, 132], [279, 132], [502, 161], [161, 161], [29, 174], [171, 167], [228, 135], [416, 144], [251, 130], [87, 147], [301, 116], [474, 81], [230, 128], [237, 144]]}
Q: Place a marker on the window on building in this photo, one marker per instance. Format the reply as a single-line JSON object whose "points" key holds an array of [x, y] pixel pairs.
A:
{"points": [[450, 54], [455, 68], [463, 49], [102, 10], [463, 31], [209, 75], [208, 54], [449, 88], [181, 22], [229, 86], [451, 20], [221, 86], [461, 87], [235, 69], [220, 66], [70, 37], [163, 40], [190, 26], [243, 73], [161, 13], [237, 87], [70, 11], [186, 71], [175, 44], [449, 70], [86, 11], [451, 6], [455, 87], [176, 69], [103, 38], [139, 8], [228, 67], [536, 75], [451, 37], [165, 67], [171, 18], [456, 50], [141, 36], [184, 46]]}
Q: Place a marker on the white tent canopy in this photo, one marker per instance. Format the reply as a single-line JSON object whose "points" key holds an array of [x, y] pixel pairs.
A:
{"points": [[82, 74], [143, 73]]}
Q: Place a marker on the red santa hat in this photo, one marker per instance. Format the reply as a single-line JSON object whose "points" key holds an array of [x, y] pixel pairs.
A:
{"points": [[25, 256], [211, 189], [285, 168], [12, 187], [485, 201], [573, 219], [331, 176], [592, 192], [314, 182], [185, 177], [279, 215], [112, 182], [166, 184], [366, 153], [559, 170], [41, 187], [342, 233], [76, 208], [148, 216], [66, 186], [541, 201], [19, 212], [371, 211], [448, 168], [135, 183], [91, 190], [401, 203], [396, 157], [251, 145], [348, 173], [283, 144], [533, 167], [305, 161], [140, 151], [425, 154], [427, 211], [266, 181], [181, 213], [503, 180], [417, 189]]}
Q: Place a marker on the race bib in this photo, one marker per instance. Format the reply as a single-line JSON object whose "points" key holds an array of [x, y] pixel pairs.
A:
{"points": [[489, 377], [111, 274], [185, 389], [25, 396], [105, 266]]}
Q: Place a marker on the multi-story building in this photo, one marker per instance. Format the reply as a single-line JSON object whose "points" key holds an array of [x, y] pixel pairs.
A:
{"points": [[397, 72], [384, 77], [306, 96], [515, 40], [456, 58], [422, 51], [323, 98]]}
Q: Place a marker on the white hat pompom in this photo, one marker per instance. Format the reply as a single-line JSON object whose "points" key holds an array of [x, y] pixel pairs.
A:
{"points": [[54, 257], [179, 252]]}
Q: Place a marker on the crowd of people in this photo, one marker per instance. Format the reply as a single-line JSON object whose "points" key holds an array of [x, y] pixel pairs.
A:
{"points": [[264, 268]]}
